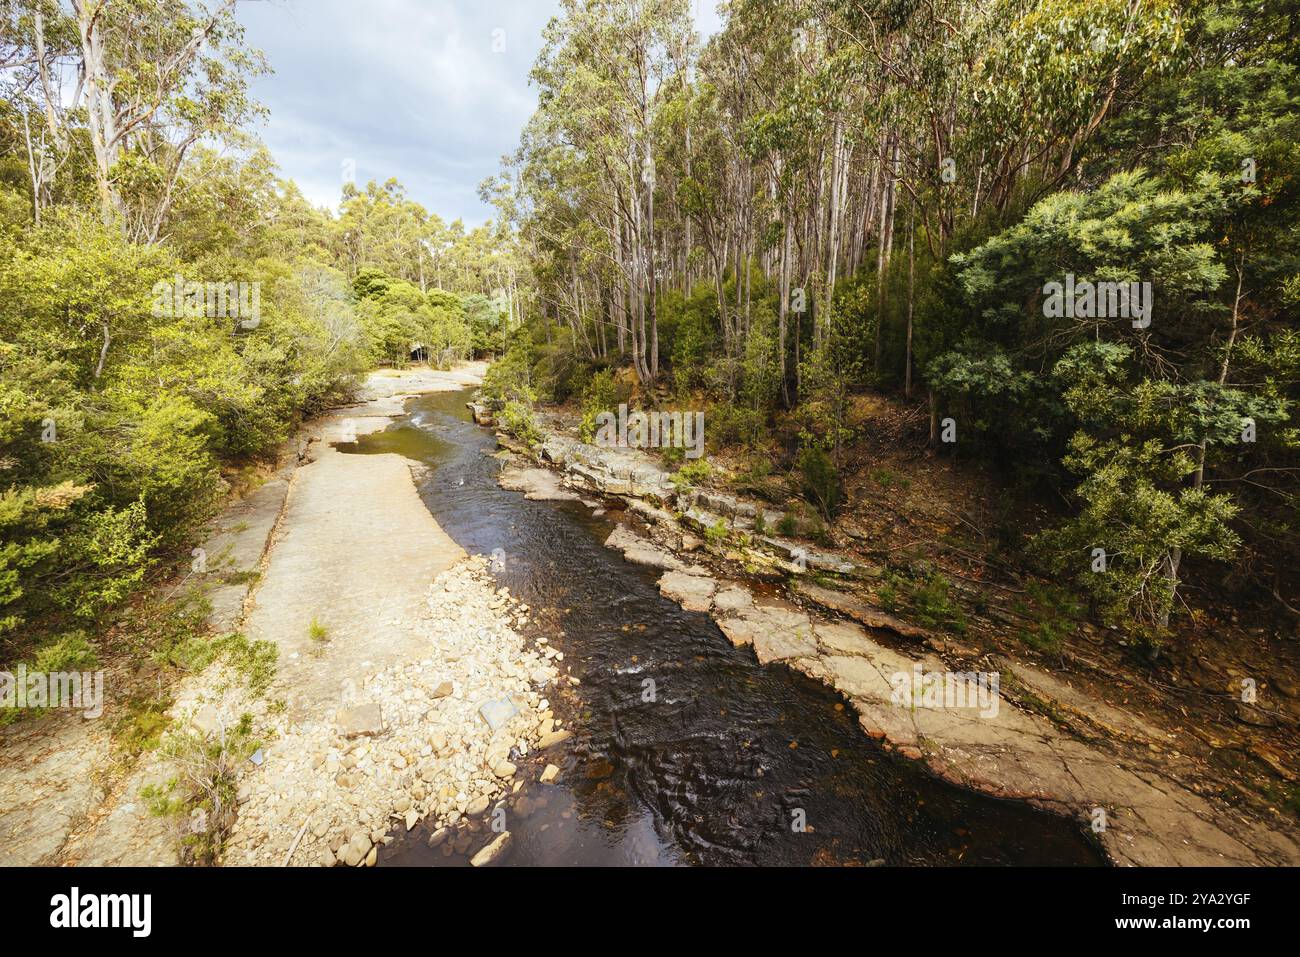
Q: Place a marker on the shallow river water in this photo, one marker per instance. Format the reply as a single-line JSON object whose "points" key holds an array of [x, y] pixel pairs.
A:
{"points": [[730, 756]]}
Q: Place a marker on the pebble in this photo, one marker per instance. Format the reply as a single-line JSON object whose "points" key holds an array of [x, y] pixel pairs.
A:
{"points": [[407, 741]]}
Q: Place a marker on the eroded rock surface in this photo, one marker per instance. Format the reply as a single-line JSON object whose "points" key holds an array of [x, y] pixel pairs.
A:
{"points": [[998, 747]]}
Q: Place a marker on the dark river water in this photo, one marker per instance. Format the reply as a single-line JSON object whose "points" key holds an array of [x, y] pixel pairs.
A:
{"points": [[729, 757]]}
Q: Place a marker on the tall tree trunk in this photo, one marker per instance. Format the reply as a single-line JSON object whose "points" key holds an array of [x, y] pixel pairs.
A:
{"points": [[886, 238], [911, 295]]}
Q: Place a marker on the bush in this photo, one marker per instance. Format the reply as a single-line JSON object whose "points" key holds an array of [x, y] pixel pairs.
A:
{"points": [[691, 474], [517, 419], [734, 425], [509, 379], [601, 395], [717, 533], [923, 593], [820, 481]]}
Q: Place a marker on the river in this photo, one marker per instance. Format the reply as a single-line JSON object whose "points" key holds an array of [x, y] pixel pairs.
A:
{"points": [[727, 761]]}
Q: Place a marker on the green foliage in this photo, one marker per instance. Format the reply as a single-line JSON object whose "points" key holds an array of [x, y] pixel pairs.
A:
{"points": [[486, 324], [509, 378], [924, 594], [254, 661], [820, 481], [601, 395], [688, 330], [672, 456], [204, 796], [693, 473], [116, 414], [400, 321], [734, 425], [141, 726], [1137, 504], [1136, 510], [1054, 615], [69, 652], [517, 419]]}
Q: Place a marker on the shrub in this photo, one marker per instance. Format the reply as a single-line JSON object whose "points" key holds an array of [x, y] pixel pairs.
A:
{"points": [[517, 419], [820, 481], [734, 425], [717, 533], [601, 395], [923, 593], [691, 474]]}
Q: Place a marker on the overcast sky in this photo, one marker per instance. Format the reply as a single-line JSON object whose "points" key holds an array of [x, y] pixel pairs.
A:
{"points": [[433, 92]]}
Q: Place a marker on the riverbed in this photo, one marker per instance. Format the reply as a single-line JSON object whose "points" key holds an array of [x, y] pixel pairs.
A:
{"points": [[685, 750]]}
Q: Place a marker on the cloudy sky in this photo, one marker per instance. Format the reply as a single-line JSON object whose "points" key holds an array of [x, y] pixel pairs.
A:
{"points": [[433, 92]]}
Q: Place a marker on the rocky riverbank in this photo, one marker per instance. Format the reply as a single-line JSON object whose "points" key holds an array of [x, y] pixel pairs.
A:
{"points": [[322, 572], [435, 738], [800, 607]]}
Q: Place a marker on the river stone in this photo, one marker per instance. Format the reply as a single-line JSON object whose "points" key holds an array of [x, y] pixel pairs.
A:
{"points": [[776, 633], [443, 690], [536, 484], [739, 631], [555, 737], [842, 638], [549, 774], [493, 853], [362, 719], [638, 551], [496, 713], [355, 851], [779, 645]]}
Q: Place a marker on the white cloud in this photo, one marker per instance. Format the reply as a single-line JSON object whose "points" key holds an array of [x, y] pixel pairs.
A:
{"points": [[406, 88], [401, 87]]}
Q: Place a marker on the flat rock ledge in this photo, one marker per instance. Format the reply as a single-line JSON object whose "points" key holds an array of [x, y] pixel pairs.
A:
{"points": [[996, 748], [990, 746]]}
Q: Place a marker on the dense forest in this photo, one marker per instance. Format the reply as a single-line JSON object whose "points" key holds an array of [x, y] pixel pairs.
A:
{"points": [[171, 307], [1063, 231], [964, 530]]}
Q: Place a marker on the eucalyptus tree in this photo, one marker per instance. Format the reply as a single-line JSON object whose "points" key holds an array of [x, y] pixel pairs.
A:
{"points": [[143, 83]]}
